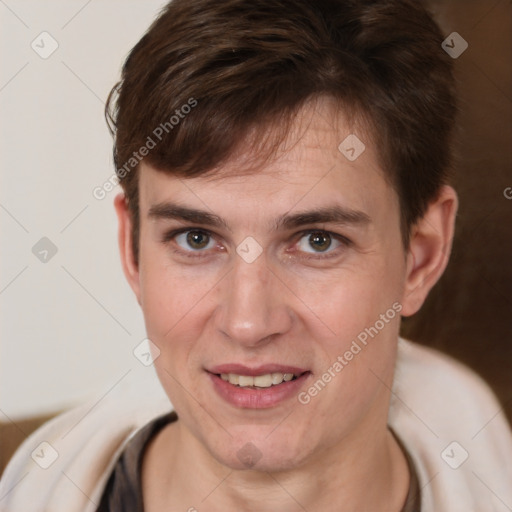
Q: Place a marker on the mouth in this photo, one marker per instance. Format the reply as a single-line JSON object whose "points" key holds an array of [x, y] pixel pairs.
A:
{"points": [[266, 380], [257, 388]]}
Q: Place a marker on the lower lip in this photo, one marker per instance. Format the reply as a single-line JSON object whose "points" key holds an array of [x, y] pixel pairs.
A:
{"points": [[257, 398]]}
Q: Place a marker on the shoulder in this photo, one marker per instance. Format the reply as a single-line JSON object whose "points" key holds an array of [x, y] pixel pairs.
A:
{"points": [[437, 371], [455, 429], [65, 464], [442, 387]]}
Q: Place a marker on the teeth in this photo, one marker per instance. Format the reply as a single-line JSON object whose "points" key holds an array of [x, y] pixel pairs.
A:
{"points": [[263, 381], [260, 381], [277, 378], [244, 380]]}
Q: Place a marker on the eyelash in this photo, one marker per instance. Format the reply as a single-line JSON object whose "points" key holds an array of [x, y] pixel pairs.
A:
{"points": [[345, 242]]}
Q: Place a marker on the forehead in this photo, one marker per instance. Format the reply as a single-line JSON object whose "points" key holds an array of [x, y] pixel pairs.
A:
{"points": [[323, 159]]}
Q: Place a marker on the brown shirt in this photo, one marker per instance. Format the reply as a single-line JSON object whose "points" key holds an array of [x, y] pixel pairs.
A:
{"points": [[123, 491]]}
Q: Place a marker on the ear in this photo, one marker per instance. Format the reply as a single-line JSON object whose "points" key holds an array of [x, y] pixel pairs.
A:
{"points": [[429, 249], [124, 238]]}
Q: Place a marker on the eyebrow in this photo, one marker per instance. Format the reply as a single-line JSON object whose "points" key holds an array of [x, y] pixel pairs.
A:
{"points": [[335, 214]]}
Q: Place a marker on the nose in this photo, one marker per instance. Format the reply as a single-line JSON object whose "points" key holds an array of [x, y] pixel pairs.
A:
{"points": [[253, 304]]}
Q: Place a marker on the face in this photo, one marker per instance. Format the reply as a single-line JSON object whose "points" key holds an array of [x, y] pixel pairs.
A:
{"points": [[294, 269]]}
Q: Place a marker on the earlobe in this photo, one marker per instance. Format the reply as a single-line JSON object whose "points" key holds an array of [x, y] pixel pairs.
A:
{"points": [[429, 249], [130, 268]]}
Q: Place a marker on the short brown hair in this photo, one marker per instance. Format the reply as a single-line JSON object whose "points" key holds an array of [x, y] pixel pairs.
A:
{"points": [[242, 65]]}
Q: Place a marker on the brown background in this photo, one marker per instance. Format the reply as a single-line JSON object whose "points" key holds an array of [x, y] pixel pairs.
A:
{"points": [[469, 312]]}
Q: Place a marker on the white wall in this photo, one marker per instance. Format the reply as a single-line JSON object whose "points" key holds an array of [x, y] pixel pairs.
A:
{"points": [[68, 325]]}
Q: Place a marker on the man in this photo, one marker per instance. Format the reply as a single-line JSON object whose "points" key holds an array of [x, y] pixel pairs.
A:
{"points": [[285, 201]]}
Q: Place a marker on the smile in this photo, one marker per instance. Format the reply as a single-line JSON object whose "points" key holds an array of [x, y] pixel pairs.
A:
{"points": [[261, 381], [257, 388]]}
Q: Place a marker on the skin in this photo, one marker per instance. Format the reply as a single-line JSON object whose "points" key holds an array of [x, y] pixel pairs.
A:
{"points": [[336, 452]]}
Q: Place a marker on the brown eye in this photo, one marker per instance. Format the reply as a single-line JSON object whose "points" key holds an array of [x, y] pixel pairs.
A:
{"points": [[197, 240], [319, 240], [194, 240]]}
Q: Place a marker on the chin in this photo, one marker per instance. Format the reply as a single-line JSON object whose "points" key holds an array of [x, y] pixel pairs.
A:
{"points": [[259, 453], [250, 459]]}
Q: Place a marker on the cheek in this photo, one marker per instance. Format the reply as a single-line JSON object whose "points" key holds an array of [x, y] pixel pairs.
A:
{"points": [[175, 300], [165, 298], [362, 312], [351, 299]]}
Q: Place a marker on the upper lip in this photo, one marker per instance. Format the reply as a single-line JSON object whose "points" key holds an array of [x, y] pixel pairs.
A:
{"points": [[240, 369]]}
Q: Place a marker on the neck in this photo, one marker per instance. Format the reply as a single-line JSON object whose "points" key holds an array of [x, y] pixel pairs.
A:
{"points": [[365, 471]]}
